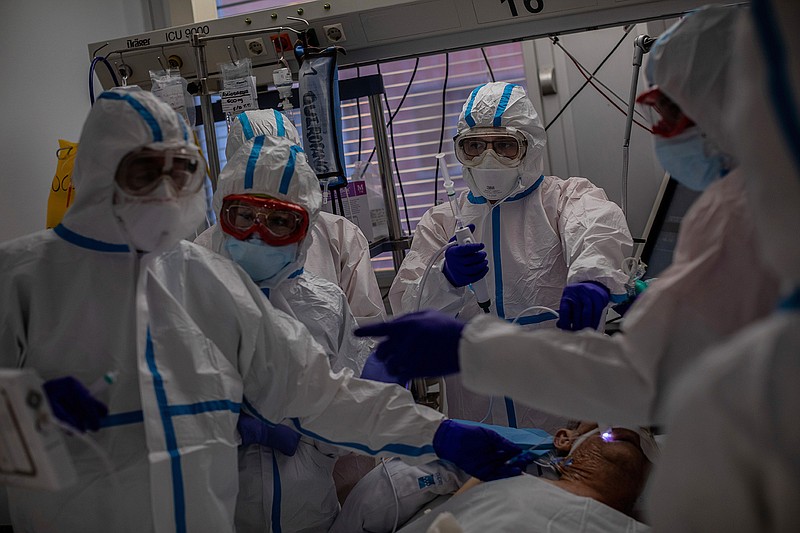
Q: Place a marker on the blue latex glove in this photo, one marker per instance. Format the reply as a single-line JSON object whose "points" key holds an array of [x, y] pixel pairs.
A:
{"points": [[582, 305], [478, 451], [254, 431], [422, 344], [375, 369], [73, 404], [465, 263]]}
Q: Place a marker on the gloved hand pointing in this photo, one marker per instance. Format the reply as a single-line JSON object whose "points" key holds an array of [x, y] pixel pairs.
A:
{"points": [[73, 404], [254, 431], [465, 263], [582, 305], [375, 370], [422, 344], [478, 451]]}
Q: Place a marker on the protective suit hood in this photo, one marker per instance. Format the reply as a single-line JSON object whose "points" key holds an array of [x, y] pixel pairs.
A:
{"points": [[275, 167], [121, 120], [250, 124], [506, 104], [690, 63], [764, 121]]}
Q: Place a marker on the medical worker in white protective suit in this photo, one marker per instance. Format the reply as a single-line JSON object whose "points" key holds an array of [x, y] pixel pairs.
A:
{"points": [[548, 241], [190, 338], [715, 286], [741, 401], [339, 251], [268, 177]]}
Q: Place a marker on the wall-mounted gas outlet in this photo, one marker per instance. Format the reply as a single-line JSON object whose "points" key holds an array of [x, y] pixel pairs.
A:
{"points": [[334, 33], [281, 42], [255, 47]]}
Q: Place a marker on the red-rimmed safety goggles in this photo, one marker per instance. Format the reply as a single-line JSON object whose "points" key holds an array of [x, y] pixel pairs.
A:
{"points": [[672, 120], [276, 222]]}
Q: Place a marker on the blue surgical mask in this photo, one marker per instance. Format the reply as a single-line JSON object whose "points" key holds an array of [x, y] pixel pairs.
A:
{"points": [[692, 159], [260, 260]]}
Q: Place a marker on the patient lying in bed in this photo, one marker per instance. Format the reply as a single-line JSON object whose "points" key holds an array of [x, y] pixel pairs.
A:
{"points": [[596, 479]]}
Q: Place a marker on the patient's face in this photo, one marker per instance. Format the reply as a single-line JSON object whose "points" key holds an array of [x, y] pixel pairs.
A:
{"points": [[613, 455]]}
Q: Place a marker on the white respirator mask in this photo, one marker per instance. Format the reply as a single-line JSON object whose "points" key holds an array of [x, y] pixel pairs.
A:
{"points": [[158, 221], [491, 178]]}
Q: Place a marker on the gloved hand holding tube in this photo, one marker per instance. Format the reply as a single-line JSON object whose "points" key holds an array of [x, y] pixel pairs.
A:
{"points": [[478, 451], [74, 404], [422, 344], [466, 262], [582, 305]]}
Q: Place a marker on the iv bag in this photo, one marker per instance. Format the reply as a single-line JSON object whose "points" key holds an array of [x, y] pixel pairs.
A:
{"points": [[321, 116], [172, 88]]}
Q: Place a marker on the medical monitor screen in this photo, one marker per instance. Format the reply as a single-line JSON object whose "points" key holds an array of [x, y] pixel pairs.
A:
{"points": [[660, 245]]}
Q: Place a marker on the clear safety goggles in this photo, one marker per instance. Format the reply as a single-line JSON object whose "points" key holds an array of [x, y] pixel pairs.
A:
{"points": [[670, 119], [276, 222], [142, 171], [508, 144]]}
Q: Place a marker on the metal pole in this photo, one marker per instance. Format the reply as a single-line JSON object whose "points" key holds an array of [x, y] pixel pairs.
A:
{"points": [[205, 108], [387, 179], [640, 46]]}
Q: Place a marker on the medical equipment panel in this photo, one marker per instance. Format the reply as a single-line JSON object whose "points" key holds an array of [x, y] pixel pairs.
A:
{"points": [[378, 30]]}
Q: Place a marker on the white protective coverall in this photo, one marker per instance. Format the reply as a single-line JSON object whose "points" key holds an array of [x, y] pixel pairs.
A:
{"points": [[741, 401], [192, 339], [527, 503], [339, 251], [304, 488], [551, 233], [714, 287]]}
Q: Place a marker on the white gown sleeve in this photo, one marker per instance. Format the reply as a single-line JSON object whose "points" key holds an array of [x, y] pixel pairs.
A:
{"points": [[287, 376], [595, 236], [584, 375], [357, 277], [431, 234]]}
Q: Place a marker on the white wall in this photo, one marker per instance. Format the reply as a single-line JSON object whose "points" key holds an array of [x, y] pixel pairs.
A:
{"points": [[44, 60], [587, 139], [44, 92]]}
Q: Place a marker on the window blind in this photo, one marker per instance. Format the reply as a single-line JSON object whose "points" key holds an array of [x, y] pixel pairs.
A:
{"points": [[417, 125]]}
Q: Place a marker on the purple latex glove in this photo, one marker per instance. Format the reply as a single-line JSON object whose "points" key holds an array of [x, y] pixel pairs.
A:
{"points": [[465, 263], [582, 305], [478, 451], [375, 369], [417, 345], [73, 404], [254, 431]]}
